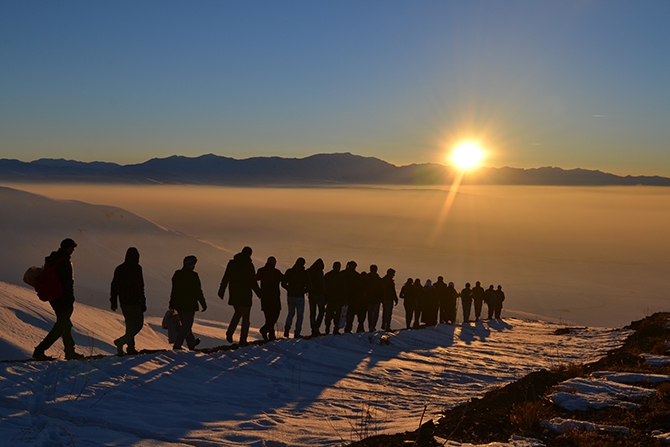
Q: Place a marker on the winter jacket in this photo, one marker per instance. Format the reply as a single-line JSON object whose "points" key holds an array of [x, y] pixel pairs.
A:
{"points": [[296, 282], [375, 288], [334, 290], [128, 283], [65, 272], [240, 278], [388, 289], [186, 291], [270, 278]]}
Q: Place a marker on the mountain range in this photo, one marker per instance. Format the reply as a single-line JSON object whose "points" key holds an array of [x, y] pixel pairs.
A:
{"points": [[316, 170]]}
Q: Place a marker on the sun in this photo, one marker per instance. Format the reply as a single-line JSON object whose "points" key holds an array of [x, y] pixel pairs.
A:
{"points": [[467, 155]]}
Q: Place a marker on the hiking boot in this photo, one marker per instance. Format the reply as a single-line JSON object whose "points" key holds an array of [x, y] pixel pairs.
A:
{"points": [[119, 347], [243, 343], [38, 354], [196, 342], [286, 332], [131, 351], [229, 337], [264, 333], [73, 355]]}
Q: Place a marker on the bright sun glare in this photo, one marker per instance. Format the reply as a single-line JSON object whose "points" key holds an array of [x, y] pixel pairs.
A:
{"points": [[467, 155]]}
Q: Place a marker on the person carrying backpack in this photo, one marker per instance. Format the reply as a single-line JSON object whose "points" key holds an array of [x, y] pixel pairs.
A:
{"points": [[59, 263], [128, 288]]}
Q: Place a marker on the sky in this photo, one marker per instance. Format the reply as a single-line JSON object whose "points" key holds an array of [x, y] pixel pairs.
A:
{"points": [[569, 83]]}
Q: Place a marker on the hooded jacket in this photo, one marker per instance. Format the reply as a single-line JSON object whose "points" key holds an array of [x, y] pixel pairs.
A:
{"points": [[128, 282]]}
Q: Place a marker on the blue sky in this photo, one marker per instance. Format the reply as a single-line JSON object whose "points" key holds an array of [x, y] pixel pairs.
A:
{"points": [[561, 83]]}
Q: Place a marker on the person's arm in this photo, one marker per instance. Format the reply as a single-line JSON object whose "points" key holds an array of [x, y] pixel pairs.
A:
{"points": [[224, 282], [114, 291], [141, 286], [254, 282], [201, 296]]}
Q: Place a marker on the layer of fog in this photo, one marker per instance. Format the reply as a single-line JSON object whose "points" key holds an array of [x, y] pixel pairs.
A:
{"points": [[595, 256]]}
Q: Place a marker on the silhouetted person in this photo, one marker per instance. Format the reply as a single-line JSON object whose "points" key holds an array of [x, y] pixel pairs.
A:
{"points": [[419, 300], [466, 302], [431, 304], [500, 295], [185, 296], [334, 294], [441, 292], [128, 288], [409, 303], [355, 296], [452, 297], [296, 283], [62, 306], [270, 278], [317, 300], [375, 297], [478, 297], [390, 298], [491, 300], [240, 278]]}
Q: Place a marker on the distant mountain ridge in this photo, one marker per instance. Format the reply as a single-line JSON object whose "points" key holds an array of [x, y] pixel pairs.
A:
{"points": [[315, 170]]}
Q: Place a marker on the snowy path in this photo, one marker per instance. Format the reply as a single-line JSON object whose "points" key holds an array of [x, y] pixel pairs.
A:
{"points": [[323, 391]]}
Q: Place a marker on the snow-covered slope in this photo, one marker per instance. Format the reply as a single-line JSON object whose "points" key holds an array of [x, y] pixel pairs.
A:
{"points": [[32, 226], [322, 391]]}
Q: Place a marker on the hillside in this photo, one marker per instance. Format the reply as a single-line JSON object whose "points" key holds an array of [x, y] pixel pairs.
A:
{"points": [[316, 170], [33, 226], [323, 391], [618, 400]]}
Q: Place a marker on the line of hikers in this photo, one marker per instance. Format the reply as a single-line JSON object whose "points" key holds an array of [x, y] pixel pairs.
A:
{"points": [[335, 298]]}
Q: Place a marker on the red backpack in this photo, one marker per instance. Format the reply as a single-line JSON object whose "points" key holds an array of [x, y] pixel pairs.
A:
{"points": [[47, 283]]}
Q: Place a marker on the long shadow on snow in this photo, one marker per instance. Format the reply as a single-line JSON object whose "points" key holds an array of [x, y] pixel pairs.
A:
{"points": [[247, 385]]}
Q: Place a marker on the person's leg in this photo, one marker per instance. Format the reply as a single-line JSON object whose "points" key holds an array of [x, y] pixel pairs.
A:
{"points": [[350, 320], [417, 318], [246, 313], [233, 324], [291, 301], [330, 314], [336, 319], [186, 321], [312, 313], [58, 329], [321, 307], [300, 309], [372, 316], [466, 311], [134, 318], [272, 317], [361, 319], [387, 313]]}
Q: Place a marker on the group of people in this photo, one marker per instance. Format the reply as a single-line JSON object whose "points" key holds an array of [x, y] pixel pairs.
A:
{"points": [[437, 303], [336, 299]]}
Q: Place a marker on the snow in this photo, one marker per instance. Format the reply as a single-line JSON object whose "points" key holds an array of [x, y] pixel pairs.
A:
{"points": [[624, 377], [323, 391], [657, 360], [515, 441], [585, 393], [560, 426], [665, 437]]}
